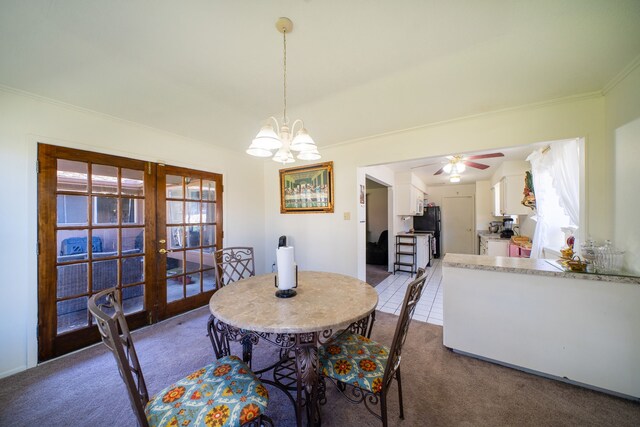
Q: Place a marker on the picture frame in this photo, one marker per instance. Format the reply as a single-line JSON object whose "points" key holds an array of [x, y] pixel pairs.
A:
{"points": [[307, 189]]}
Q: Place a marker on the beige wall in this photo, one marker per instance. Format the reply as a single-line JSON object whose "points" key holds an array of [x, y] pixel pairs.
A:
{"points": [[27, 120], [377, 201], [342, 249], [623, 133]]}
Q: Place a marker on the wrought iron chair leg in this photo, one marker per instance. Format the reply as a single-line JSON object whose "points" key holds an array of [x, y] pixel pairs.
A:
{"points": [[400, 393], [383, 408]]}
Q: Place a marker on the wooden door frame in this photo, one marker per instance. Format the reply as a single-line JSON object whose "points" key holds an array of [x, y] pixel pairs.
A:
{"points": [[50, 344], [163, 309]]}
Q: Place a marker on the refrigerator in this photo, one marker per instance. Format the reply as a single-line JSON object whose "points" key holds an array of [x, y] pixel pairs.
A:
{"points": [[429, 222]]}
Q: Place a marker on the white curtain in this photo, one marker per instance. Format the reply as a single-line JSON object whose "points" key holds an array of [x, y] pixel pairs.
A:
{"points": [[537, 171], [556, 182], [564, 167]]}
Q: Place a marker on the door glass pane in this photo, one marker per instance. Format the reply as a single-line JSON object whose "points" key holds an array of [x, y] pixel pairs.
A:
{"points": [[104, 179], [192, 284], [132, 270], [72, 210], [174, 187], [207, 258], [132, 211], [133, 299], [72, 176], [132, 182], [105, 242], [193, 213], [175, 237], [193, 261], [209, 212], [193, 236], [208, 235], [104, 274], [208, 280], [175, 263], [175, 212], [132, 240], [72, 314], [72, 245], [209, 190], [175, 288], [105, 210], [193, 188], [72, 280]]}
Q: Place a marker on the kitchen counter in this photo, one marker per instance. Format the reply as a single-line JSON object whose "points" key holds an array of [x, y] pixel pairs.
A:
{"points": [[531, 266], [530, 315]]}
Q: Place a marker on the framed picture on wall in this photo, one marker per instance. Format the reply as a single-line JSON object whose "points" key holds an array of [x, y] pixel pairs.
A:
{"points": [[307, 189]]}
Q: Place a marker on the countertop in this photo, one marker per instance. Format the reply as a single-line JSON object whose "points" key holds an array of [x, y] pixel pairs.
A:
{"points": [[532, 266], [492, 236]]}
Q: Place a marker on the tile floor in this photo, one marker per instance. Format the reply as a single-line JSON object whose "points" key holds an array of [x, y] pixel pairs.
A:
{"points": [[429, 309]]}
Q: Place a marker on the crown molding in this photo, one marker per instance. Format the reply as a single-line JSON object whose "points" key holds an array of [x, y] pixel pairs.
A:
{"points": [[532, 106], [621, 75]]}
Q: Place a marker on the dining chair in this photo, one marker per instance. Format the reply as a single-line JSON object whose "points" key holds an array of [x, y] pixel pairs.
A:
{"points": [[233, 264], [223, 393], [363, 369]]}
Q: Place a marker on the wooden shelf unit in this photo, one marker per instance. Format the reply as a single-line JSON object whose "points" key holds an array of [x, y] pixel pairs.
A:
{"points": [[406, 254]]}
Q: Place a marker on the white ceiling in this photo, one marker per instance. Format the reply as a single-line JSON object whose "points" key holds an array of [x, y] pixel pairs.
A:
{"points": [[212, 70]]}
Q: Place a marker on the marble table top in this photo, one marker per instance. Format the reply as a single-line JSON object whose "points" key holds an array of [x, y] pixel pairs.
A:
{"points": [[539, 267], [324, 301]]}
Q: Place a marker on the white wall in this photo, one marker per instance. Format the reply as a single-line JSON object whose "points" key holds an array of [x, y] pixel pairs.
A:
{"points": [[328, 242], [484, 205], [27, 120], [623, 129]]}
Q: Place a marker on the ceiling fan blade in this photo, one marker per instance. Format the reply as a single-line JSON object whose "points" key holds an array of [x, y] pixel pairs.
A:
{"points": [[485, 156], [439, 171], [422, 166], [475, 165]]}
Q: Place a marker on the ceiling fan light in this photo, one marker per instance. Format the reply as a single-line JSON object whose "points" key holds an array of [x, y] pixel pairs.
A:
{"points": [[461, 167], [267, 139], [454, 178], [447, 167]]}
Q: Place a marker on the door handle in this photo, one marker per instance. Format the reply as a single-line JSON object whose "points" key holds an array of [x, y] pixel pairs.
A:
{"points": [[163, 251], [162, 241]]}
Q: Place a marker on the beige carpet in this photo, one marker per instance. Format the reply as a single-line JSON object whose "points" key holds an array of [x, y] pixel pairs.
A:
{"points": [[441, 388]]}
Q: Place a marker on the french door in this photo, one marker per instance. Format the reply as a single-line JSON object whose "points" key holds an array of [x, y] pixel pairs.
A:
{"points": [[105, 221]]}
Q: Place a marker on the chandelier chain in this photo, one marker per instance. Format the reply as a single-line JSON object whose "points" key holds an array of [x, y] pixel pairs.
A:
{"points": [[284, 35]]}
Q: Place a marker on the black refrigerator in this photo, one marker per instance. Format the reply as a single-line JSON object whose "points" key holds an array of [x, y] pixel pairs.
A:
{"points": [[429, 221]]}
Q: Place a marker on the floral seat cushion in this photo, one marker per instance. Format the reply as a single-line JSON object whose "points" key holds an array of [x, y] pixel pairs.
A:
{"points": [[354, 359], [224, 393]]}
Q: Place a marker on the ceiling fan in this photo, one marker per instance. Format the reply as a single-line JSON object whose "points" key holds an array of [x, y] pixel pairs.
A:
{"points": [[457, 163]]}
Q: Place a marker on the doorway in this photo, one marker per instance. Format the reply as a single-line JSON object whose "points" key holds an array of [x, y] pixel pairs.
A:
{"points": [[377, 231], [104, 221], [458, 223]]}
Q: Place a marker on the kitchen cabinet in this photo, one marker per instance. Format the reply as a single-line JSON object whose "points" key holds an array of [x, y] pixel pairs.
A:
{"points": [[423, 250], [507, 196], [409, 200], [498, 247], [494, 246]]}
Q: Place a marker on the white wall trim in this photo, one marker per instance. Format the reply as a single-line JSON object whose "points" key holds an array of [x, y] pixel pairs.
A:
{"points": [[621, 75]]}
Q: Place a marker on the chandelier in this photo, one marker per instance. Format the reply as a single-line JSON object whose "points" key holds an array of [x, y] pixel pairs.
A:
{"points": [[276, 140]]}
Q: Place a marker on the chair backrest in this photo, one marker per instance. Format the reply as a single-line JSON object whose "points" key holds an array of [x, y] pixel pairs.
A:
{"points": [[107, 311], [233, 264], [411, 298]]}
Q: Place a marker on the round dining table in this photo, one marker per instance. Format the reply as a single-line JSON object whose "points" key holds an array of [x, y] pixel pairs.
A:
{"points": [[324, 303]]}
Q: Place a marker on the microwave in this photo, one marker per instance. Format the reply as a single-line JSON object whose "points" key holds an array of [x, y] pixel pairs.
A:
{"points": [[419, 207]]}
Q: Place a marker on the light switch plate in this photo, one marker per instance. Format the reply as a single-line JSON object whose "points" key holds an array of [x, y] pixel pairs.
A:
{"points": [[347, 216]]}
